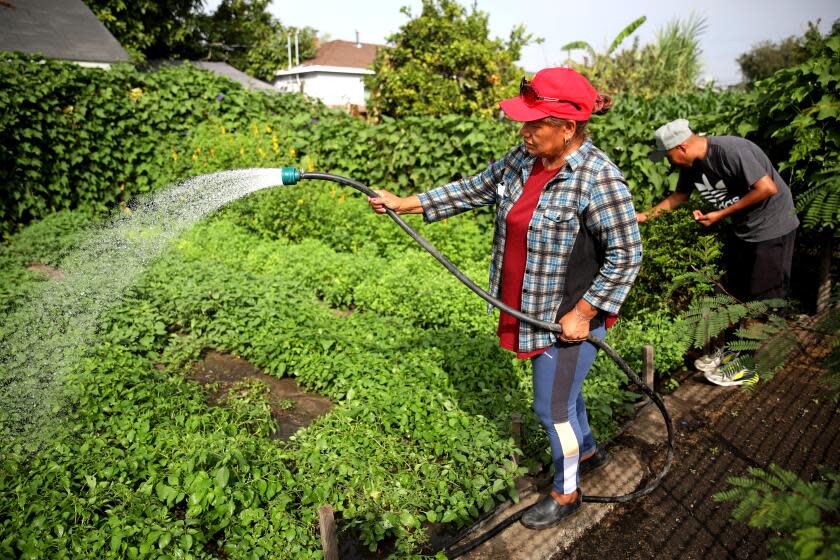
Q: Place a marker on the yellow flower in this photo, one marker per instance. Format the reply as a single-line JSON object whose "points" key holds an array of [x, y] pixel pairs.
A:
{"points": [[174, 155], [242, 151], [195, 157], [267, 129], [292, 152], [261, 152], [224, 131], [135, 93], [68, 109]]}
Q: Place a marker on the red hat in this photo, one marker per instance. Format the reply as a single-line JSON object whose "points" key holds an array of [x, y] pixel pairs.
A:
{"points": [[554, 92]]}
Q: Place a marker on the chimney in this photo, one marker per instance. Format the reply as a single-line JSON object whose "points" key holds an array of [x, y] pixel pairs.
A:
{"points": [[358, 43]]}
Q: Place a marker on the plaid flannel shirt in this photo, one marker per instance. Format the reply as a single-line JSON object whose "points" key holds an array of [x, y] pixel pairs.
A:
{"points": [[590, 187]]}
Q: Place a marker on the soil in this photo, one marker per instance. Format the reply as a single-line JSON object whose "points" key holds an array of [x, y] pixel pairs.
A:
{"points": [[291, 407], [50, 272], [788, 421]]}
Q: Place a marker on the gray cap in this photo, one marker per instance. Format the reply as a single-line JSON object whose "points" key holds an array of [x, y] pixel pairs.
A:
{"points": [[669, 136]]}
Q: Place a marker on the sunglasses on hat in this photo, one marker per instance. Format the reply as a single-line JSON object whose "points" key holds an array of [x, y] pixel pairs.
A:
{"points": [[530, 95]]}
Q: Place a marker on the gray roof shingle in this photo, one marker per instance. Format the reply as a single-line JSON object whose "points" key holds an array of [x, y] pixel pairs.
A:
{"points": [[225, 69], [62, 29]]}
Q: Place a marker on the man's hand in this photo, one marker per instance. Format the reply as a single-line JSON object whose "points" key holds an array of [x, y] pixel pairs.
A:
{"points": [[760, 191], [707, 219], [673, 201]]}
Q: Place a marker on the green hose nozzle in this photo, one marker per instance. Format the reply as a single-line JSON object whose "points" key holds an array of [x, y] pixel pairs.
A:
{"points": [[289, 175]]}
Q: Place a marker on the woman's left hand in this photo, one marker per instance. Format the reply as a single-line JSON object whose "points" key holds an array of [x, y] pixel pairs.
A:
{"points": [[575, 323]]}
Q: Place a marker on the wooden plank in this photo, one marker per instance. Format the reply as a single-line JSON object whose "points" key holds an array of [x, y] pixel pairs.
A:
{"points": [[516, 432], [647, 365], [329, 538]]}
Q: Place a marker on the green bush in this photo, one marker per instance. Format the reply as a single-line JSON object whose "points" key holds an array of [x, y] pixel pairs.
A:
{"points": [[76, 137], [673, 244], [89, 138], [657, 328], [420, 431]]}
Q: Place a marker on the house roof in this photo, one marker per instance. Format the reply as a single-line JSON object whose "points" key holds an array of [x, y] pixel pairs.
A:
{"points": [[345, 54], [63, 29], [225, 69]]}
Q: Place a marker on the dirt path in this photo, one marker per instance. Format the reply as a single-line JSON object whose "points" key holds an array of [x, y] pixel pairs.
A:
{"points": [[788, 421]]}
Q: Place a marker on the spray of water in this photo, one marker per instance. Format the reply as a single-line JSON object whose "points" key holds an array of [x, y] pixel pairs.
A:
{"points": [[44, 338]]}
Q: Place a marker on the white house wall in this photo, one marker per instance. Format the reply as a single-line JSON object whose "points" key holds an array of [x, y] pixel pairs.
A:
{"points": [[331, 88]]}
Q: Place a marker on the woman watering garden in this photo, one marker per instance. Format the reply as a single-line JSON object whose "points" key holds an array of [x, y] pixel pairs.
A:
{"points": [[566, 249]]}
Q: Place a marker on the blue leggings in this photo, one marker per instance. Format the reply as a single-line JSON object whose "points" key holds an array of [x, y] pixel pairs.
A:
{"points": [[558, 401]]}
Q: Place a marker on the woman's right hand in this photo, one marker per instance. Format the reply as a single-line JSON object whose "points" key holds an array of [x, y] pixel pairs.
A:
{"points": [[385, 200]]}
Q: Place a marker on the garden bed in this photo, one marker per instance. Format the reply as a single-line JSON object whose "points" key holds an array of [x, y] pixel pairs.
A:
{"points": [[291, 407]]}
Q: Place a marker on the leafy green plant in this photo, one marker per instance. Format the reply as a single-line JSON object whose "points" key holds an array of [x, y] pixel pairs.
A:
{"points": [[444, 62], [674, 244], [73, 137], [147, 28], [249, 400], [803, 514]]}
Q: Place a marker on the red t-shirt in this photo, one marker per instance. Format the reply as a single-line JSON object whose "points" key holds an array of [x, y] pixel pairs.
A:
{"points": [[516, 253]]}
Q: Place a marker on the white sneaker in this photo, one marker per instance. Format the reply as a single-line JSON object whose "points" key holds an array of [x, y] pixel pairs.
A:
{"points": [[710, 362], [727, 377]]}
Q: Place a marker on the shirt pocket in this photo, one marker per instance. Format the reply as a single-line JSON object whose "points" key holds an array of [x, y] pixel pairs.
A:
{"points": [[558, 226]]}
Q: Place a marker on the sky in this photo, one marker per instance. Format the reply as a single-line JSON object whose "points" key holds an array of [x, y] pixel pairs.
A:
{"points": [[732, 26]]}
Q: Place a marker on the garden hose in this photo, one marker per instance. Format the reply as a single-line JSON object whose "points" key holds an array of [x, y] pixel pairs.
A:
{"points": [[291, 176]]}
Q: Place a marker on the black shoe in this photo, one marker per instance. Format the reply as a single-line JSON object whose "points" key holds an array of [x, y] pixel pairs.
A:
{"points": [[594, 462], [548, 513]]}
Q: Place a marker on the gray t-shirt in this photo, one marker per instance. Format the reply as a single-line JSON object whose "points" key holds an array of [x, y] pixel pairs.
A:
{"points": [[731, 166]]}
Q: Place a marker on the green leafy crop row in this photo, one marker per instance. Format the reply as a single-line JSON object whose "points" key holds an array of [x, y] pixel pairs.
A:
{"points": [[419, 433]]}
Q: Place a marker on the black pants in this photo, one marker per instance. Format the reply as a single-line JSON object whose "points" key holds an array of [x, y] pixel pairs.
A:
{"points": [[759, 270]]}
